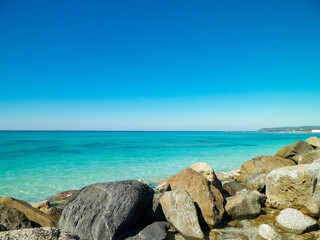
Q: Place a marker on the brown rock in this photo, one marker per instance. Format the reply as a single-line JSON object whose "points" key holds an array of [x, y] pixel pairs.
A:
{"points": [[31, 213], [61, 199], [294, 149], [44, 206], [206, 170], [309, 157], [207, 197], [262, 165], [314, 141]]}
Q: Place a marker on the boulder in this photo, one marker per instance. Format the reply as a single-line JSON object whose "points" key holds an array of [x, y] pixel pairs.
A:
{"points": [[206, 170], [229, 175], [12, 219], [105, 210], [207, 197], [268, 233], [232, 187], [295, 186], [44, 206], [61, 199], [262, 165], [292, 220], [256, 182], [313, 141], [181, 212], [45, 233], [245, 204], [294, 149], [34, 215], [309, 157]]}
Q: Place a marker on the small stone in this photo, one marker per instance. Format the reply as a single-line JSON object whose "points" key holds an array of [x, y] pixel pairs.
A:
{"points": [[292, 220], [268, 233]]}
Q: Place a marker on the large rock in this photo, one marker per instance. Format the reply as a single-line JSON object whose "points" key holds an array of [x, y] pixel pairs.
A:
{"points": [[268, 233], [181, 212], [12, 219], [313, 141], [207, 197], [296, 186], [292, 220], [309, 157], [206, 170], [31, 213], [262, 165], [104, 210], [245, 204], [294, 149], [232, 187], [256, 182], [37, 234]]}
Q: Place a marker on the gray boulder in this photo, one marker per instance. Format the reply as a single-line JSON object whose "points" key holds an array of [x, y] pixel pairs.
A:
{"points": [[180, 211], [245, 204], [12, 219], [105, 210], [294, 149], [292, 220], [309, 157], [256, 182], [44, 233], [154, 231]]}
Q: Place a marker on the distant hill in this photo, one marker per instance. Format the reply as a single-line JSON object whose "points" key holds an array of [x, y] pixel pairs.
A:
{"points": [[289, 129]]}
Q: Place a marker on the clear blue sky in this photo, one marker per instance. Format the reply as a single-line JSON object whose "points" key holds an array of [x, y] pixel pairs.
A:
{"points": [[159, 65]]}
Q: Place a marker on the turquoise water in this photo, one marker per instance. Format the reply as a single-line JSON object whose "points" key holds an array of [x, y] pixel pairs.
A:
{"points": [[35, 165]]}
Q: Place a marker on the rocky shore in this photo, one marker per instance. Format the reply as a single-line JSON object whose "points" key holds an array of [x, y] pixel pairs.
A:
{"points": [[269, 197]]}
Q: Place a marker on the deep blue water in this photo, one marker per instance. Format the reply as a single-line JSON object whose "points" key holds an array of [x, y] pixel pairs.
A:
{"points": [[35, 165]]}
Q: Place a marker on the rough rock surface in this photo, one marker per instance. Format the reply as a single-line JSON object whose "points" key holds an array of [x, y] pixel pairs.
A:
{"points": [[206, 170], [229, 175], [31, 213], [268, 233], [104, 210], [44, 206], [256, 182], [262, 165], [207, 197], [292, 220], [37, 234], [180, 211], [12, 219], [309, 157], [245, 204], [294, 149], [313, 141], [154, 231], [296, 186], [232, 187]]}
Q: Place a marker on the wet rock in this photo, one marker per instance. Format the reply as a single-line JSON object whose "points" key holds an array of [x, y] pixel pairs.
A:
{"points": [[262, 165], [296, 186], [105, 210], [293, 150], [256, 182], [37, 234], [268, 233], [309, 157], [245, 204], [31, 213], [12, 219], [292, 220], [206, 196], [313, 141], [180, 211]]}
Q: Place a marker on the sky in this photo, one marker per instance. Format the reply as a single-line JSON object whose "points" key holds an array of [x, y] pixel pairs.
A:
{"points": [[159, 65]]}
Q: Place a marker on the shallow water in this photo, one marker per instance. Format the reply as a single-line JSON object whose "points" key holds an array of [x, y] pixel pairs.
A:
{"points": [[35, 165]]}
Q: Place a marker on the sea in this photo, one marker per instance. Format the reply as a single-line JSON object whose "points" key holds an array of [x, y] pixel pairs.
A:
{"points": [[35, 165]]}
